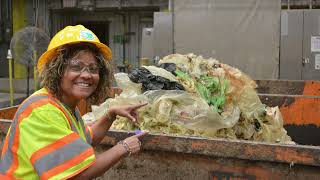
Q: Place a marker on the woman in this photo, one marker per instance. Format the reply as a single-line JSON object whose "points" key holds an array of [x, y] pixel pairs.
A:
{"points": [[48, 139]]}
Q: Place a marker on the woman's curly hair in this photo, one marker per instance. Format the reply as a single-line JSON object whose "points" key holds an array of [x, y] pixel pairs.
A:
{"points": [[55, 68]]}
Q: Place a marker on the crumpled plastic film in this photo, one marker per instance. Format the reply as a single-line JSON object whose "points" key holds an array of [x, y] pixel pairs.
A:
{"points": [[88, 118], [128, 87], [161, 72], [181, 61], [189, 110], [273, 130], [250, 104], [240, 115], [100, 110], [151, 81], [170, 67]]}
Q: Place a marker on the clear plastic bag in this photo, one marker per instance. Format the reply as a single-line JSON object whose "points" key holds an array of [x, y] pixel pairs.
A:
{"points": [[250, 104], [189, 110], [272, 130], [121, 100]]}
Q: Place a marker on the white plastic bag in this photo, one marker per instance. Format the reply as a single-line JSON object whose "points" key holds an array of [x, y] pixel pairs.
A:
{"points": [[128, 87]]}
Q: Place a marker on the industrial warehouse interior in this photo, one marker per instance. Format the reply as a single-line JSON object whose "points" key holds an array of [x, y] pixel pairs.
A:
{"points": [[160, 89]]}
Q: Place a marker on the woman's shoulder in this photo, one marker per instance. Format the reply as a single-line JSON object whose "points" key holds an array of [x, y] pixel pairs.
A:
{"points": [[42, 110], [42, 102]]}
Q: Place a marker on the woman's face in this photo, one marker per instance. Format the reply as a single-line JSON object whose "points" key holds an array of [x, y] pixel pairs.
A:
{"points": [[81, 77]]}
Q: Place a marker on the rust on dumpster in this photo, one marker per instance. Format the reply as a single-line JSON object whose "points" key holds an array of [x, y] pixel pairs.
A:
{"points": [[299, 101], [8, 113]]}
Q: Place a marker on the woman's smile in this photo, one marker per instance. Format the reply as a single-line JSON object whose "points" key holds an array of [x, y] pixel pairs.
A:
{"points": [[80, 78]]}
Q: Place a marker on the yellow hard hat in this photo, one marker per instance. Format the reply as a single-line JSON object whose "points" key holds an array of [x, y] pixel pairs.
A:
{"points": [[71, 35]]}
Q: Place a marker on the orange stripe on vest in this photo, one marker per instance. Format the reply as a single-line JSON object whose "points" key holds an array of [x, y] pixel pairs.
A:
{"points": [[68, 164], [52, 147], [15, 145], [5, 144], [3, 177]]}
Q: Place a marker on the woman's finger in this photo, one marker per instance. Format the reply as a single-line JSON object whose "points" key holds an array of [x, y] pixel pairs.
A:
{"points": [[135, 115], [133, 119], [141, 134]]}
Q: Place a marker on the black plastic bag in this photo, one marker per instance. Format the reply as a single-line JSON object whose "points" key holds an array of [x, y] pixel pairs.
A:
{"points": [[171, 67], [152, 82]]}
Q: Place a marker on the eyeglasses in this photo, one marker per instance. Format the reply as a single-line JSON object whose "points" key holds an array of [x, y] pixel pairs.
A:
{"points": [[79, 67]]}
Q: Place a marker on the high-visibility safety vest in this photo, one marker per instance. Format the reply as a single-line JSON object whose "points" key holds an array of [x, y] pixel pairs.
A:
{"points": [[46, 141]]}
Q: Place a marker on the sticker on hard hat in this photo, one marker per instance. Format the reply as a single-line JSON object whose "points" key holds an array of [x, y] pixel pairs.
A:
{"points": [[86, 35]]}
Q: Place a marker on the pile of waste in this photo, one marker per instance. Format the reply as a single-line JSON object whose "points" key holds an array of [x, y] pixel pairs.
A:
{"points": [[193, 96]]}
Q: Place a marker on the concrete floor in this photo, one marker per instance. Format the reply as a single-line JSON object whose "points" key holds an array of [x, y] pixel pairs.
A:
{"points": [[5, 99]]}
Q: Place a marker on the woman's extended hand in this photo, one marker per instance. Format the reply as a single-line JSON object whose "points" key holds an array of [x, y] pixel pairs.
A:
{"points": [[132, 144], [128, 111]]}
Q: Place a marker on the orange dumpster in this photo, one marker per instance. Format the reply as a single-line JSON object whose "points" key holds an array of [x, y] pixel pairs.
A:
{"points": [[185, 157]]}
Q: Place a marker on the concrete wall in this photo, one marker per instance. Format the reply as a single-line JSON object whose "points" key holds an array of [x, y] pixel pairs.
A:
{"points": [[244, 34]]}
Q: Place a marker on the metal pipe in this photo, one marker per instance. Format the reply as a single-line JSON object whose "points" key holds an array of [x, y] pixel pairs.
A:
{"points": [[9, 57], [8, 9], [8, 17], [35, 79], [28, 80], [127, 37], [1, 10], [310, 4], [34, 14], [123, 40], [173, 38]]}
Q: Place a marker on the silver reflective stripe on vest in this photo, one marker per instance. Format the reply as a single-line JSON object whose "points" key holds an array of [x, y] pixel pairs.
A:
{"points": [[73, 127], [7, 158], [86, 133], [61, 155]]}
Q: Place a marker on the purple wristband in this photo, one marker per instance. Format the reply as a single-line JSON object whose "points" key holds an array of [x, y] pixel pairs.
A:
{"points": [[137, 131]]}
